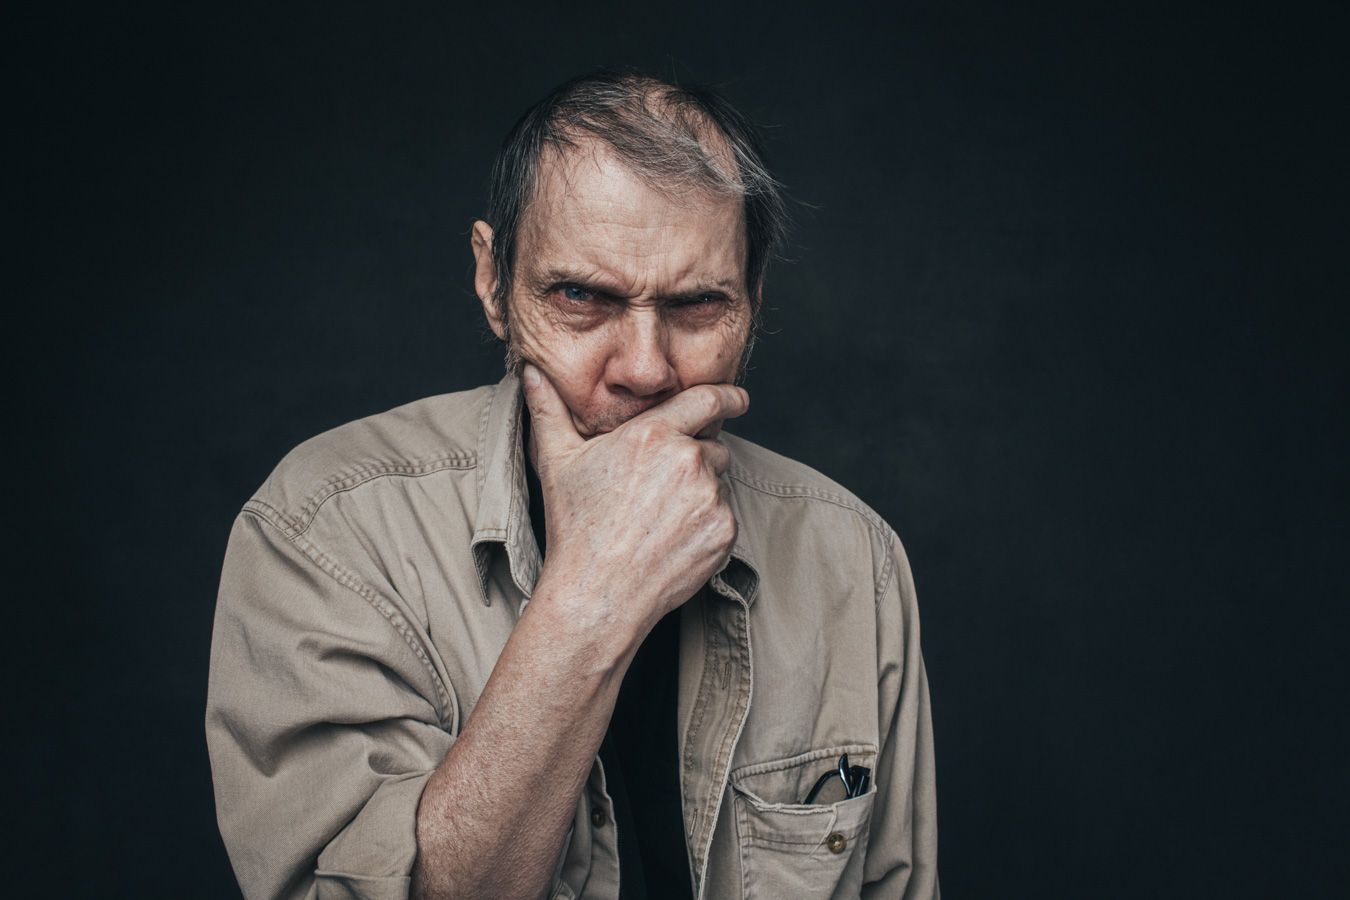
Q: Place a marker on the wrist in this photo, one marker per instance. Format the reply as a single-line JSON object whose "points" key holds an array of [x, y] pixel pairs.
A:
{"points": [[598, 621]]}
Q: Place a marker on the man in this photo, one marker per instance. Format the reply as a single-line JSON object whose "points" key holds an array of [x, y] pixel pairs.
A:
{"points": [[561, 636]]}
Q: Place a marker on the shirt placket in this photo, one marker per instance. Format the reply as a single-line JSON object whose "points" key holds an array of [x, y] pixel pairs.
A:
{"points": [[715, 643], [603, 880]]}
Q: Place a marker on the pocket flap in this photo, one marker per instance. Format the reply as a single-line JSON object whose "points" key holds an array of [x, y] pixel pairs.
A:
{"points": [[786, 782]]}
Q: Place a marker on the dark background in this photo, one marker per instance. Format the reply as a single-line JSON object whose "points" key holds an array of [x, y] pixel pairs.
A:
{"points": [[1060, 308]]}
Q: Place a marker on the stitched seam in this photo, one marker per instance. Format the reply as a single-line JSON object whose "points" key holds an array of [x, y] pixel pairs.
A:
{"points": [[742, 705], [301, 523], [361, 471], [742, 653], [755, 837], [701, 703], [762, 835], [482, 435], [743, 838], [364, 472], [792, 762], [782, 489], [887, 573], [339, 574], [723, 752], [880, 529]]}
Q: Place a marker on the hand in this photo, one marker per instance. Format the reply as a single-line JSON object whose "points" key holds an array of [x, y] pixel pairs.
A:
{"points": [[638, 518]]}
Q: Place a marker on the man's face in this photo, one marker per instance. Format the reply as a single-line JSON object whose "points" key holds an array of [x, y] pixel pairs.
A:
{"points": [[622, 295]]}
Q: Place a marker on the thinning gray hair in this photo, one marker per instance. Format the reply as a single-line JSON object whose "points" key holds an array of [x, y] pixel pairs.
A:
{"points": [[676, 138]]}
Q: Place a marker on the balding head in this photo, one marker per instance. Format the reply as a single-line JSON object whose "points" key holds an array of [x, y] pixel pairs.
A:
{"points": [[682, 141]]}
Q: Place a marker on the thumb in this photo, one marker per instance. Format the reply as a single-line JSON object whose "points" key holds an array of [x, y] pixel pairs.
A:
{"points": [[550, 419]]}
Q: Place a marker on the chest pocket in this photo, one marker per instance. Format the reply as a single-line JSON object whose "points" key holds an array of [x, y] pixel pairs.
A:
{"points": [[799, 850]]}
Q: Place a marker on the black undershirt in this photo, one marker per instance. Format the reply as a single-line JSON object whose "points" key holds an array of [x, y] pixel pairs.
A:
{"points": [[640, 755]]}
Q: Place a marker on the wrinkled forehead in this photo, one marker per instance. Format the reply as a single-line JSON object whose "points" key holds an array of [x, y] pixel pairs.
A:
{"points": [[590, 207]]}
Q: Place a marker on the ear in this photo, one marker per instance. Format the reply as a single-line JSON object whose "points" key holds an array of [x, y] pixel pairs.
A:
{"points": [[485, 276]]}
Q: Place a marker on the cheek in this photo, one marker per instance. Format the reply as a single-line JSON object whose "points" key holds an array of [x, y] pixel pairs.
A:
{"points": [[573, 362], [711, 355]]}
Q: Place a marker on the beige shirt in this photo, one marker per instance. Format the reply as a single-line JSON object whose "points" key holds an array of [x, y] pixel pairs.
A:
{"points": [[371, 582]]}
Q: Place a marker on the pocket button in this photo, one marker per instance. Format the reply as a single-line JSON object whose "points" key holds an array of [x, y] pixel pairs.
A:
{"points": [[836, 842]]}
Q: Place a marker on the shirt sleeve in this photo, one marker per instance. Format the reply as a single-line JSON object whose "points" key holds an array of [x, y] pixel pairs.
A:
{"points": [[902, 846], [321, 723]]}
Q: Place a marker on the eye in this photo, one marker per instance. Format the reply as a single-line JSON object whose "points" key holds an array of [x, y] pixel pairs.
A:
{"points": [[575, 293], [697, 300]]}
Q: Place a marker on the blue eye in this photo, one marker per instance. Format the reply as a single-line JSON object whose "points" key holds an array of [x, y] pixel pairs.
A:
{"points": [[575, 294]]}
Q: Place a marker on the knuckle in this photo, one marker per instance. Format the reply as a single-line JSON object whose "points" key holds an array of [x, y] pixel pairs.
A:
{"points": [[728, 526], [688, 456], [708, 403], [647, 434], [711, 495]]}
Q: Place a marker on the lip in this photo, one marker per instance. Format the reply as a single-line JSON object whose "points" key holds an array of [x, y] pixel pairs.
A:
{"points": [[628, 414], [587, 433]]}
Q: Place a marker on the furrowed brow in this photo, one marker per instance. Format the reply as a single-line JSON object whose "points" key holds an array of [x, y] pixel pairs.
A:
{"points": [[599, 285], [726, 286]]}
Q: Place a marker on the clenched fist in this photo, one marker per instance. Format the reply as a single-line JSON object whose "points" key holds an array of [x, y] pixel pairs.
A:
{"points": [[637, 519]]}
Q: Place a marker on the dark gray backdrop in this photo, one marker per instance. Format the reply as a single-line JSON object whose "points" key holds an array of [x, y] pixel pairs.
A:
{"points": [[1058, 309]]}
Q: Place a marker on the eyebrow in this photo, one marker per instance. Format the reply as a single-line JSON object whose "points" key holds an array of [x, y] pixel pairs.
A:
{"points": [[599, 284]]}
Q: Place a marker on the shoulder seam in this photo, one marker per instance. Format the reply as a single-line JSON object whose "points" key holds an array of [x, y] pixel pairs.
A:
{"points": [[789, 491], [878, 526], [884, 582], [361, 473], [263, 512]]}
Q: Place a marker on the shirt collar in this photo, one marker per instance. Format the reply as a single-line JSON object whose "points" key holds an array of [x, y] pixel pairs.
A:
{"points": [[503, 516]]}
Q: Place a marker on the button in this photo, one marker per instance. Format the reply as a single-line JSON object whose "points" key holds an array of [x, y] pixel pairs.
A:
{"points": [[836, 842], [598, 818]]}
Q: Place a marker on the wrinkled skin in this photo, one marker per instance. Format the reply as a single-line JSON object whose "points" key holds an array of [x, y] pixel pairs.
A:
{"points": [[674, 313], [632, 305]]}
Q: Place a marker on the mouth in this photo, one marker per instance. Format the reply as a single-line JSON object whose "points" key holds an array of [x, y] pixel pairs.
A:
{"points": [[597, 431], [607, 420]]}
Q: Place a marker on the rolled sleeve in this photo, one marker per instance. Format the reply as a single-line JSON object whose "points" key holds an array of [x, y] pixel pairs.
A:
{"points": [[902, 847], [321, 724]]}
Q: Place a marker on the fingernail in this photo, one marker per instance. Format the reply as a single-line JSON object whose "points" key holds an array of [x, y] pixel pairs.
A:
{"points": [[531, 376]]}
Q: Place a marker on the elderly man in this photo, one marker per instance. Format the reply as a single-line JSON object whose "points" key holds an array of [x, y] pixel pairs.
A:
{"points": [[562, 636]]}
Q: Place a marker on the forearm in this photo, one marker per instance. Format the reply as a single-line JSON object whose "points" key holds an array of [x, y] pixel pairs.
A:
{"points": [[494, 815]]}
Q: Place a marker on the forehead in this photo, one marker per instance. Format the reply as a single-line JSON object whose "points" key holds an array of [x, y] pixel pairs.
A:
{"points": [[591, 212]]}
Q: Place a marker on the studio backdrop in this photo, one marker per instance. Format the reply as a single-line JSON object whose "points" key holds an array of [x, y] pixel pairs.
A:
{"points": [[1053, 304]]}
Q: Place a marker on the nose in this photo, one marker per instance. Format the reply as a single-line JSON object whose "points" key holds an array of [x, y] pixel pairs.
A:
{"points": [[640, 365]]}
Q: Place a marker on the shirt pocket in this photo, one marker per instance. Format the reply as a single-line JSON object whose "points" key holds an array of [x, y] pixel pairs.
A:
{"points": [[800, 850]]}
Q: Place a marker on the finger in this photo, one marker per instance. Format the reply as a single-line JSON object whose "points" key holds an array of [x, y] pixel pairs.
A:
{"points": [[689, 411], [550, 419], [715, 455], [711, 430]]}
